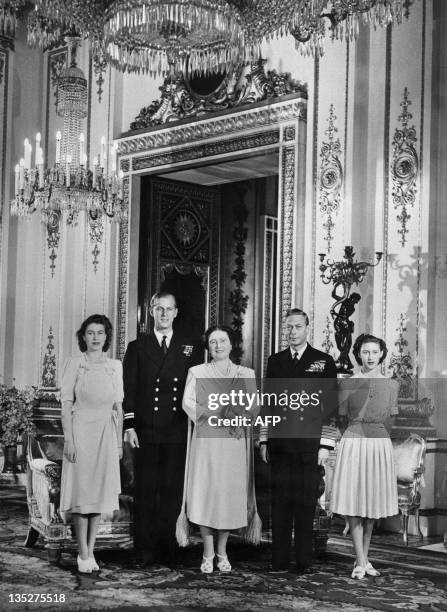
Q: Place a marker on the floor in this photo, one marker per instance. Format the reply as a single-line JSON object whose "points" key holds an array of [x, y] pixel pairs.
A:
{"points": [[412, 578]]}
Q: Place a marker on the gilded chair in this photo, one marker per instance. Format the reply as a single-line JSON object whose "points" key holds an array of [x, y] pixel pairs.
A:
{"points": [[44, 465], [409, 457]]}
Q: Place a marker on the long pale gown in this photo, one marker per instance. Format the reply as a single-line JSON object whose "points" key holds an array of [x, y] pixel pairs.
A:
{"points": [[219, 462], [92, 483]]}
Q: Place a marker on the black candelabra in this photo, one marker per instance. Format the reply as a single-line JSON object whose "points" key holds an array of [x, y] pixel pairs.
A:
{"points": [[343, 274]]}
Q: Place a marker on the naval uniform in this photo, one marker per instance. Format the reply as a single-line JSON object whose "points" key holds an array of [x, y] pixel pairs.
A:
{"points": [[294, 459], [154, 381]]}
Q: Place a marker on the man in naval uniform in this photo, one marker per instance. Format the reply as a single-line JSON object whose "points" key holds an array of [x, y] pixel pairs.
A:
{"points": [[308, 436], [154, 371]]}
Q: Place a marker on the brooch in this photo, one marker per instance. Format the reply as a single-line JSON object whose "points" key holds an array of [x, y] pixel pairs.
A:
{"points": [[317, 366], [187, 349]]}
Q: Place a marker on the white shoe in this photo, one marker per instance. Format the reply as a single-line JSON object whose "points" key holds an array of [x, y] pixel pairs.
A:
{"points": [[224, 564], [207, 566], [370, 570], [358, 572], [93, 563], [84, 565]]}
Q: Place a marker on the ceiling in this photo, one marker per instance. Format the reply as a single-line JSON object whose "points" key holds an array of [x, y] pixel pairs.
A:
{"points": [[229, 171]]}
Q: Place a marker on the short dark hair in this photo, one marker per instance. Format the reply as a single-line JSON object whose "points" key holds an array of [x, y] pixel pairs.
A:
{"points": [[363, 339], [161, 294], [230, 333], [297, 311], [99, 320]]}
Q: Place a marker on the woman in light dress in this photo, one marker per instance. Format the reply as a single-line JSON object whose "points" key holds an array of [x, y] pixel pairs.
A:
{"points": [[364, 483], [91, 396], [219, 478]]}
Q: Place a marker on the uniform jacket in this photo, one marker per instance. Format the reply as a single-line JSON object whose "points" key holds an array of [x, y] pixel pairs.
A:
{"points": [[154, 385], [318, 420]]}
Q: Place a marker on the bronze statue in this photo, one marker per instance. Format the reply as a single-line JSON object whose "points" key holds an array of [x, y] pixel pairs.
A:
{"points": [[343, 326]]}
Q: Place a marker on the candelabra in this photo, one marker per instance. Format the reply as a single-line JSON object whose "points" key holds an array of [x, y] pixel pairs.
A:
{"points": [[69, 185], [343, 274]]}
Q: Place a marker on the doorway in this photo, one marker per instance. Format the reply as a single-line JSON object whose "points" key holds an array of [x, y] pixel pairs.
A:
{"points": [[209, 235]]}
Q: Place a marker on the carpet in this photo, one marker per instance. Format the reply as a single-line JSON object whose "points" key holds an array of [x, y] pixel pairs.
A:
{"points": [[411, 579]]}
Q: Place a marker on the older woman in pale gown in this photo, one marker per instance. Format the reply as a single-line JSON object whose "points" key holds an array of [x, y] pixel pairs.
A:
{"points": [[220, 480]]}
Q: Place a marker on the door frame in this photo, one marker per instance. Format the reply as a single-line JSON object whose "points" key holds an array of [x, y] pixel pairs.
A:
{"points": [[257, 128]]}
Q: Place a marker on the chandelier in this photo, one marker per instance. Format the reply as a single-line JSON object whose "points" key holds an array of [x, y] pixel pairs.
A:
{"points": [[202, 36], [69, 185]]}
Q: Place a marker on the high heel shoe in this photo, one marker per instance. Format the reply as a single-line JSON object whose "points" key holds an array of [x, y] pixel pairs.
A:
{"points": [[207, 566], [84, 565], [358, 572], [94, 564], [370, 570], [223, 565]]}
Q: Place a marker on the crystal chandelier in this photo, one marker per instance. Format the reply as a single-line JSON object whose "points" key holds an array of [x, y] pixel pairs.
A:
{"points": [[69, 185], [202, 36]]}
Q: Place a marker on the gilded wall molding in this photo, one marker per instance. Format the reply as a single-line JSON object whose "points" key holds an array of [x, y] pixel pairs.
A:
{"points": [[207, 150], [287, 230], [261, 117], [238, 87], [57, 61], [53, 230], [330, 178], [404, 168], [327, 345], [49, 369], [123, 265], [401, 363], [96, 235]]}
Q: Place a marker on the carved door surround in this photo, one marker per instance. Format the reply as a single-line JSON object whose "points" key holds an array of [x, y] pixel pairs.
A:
{"points": [[258, 128]]}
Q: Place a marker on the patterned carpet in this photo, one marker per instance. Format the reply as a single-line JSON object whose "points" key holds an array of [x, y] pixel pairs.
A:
{"points": [[411, 579]]}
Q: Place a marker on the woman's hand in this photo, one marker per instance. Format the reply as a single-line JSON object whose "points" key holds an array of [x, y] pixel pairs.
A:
{"points": [[120, 452], [69, 451]]}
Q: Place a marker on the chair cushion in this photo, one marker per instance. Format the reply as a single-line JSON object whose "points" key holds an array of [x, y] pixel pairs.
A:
{"points": [[52, 447], [40, 464], [407, 456]]}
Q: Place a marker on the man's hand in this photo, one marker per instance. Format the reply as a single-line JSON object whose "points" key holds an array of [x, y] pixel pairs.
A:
{"points": [[323, 455], [130, 436], [69, 451], [263, 450]]}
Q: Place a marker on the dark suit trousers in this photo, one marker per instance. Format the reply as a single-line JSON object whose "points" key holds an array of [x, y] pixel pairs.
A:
{"points": [[294, 496], [158, 499]]}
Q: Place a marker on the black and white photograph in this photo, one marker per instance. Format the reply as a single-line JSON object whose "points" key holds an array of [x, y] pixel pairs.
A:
{"points": [[223, 289]]}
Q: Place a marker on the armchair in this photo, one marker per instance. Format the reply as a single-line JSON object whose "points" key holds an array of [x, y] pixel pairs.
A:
{"points": [[409, 457], [44, 465]]}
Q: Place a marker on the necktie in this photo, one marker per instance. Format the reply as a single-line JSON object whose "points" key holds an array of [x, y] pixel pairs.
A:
{"points": [[295, 358], [164, 346]]}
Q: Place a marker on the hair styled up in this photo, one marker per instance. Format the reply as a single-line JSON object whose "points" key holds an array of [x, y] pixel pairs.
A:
{"points": [[213, 328], [99, 320], [363, 339]]}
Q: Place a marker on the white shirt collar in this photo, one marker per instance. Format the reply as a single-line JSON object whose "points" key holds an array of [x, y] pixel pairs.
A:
{"points": [[159, 335], [299, 351]]}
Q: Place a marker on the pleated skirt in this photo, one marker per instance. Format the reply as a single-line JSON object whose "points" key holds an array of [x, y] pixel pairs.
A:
{"points": [[364, 481]]}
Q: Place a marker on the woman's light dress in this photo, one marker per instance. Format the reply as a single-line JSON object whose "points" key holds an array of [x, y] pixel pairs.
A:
{"points": [[92, 483]]}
